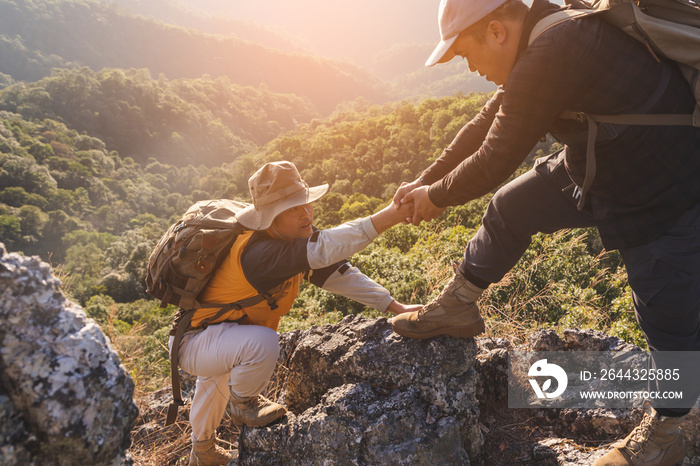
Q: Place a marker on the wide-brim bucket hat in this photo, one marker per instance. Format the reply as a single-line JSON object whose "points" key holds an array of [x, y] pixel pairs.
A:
{"points": [[274, 188]]}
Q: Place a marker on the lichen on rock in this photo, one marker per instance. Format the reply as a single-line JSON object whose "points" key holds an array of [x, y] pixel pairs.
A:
{"points": [[62, 382]]}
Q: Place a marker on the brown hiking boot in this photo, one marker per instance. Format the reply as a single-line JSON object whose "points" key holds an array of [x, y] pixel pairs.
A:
{"points": [[208, 453], [656, 441], [454, 312], [254, 411]]}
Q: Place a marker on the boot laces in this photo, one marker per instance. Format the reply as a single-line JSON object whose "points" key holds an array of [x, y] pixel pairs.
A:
{"points": [[644, 430], [256, 402], [261, 402], [252, 403], [435, 301]]}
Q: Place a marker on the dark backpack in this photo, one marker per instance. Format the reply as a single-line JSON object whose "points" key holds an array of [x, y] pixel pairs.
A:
{"points": [[183, 262], [668, 28]]}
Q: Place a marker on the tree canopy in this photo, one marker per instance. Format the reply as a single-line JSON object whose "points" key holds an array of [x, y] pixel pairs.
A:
{"points": [[203, 121]]}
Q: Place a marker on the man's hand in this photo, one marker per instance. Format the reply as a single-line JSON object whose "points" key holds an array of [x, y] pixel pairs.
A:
{"points": [[391, 215], [424, 209], [405, 189], [397, 308]]}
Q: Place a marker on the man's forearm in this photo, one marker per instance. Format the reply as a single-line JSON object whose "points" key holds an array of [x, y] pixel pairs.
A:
{"points": [[355, 285], [467, 141], [326, 247]]}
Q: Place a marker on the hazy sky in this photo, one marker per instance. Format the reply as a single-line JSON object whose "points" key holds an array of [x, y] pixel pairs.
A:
{"points": [[351, 28], [355, 29]]}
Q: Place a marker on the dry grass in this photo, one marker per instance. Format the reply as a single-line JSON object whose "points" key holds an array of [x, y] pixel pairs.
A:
{"points": [[153, 444], [133, 355], [435, 257]]}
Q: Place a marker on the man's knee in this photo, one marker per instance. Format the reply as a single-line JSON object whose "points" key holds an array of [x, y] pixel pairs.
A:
{"points": [[260, 345], [269, 342], [507, 209]]}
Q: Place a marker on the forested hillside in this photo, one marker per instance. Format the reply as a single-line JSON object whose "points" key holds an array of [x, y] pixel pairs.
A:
{"points": [[199, 121], [37, 36], [67, 195]]}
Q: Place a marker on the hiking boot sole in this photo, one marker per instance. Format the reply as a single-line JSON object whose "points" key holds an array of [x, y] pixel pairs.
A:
{"points": [[258, 423], [467, 331]]}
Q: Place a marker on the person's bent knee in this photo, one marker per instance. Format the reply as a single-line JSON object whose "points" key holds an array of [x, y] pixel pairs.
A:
{"points": [[270, 343], [258, 361], [258, 345], [502, 210]]}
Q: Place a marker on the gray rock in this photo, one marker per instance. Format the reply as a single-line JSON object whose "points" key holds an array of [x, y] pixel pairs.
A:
{"points": [[492, 366], [545, 340], [562, 451], [594, 340], [13, 433], [66, 399], [576, 339], [360, 394]]}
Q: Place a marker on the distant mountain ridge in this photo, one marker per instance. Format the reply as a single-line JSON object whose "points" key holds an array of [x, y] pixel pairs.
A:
{"points": [[36, 36], [178, 13], [395, 52]]}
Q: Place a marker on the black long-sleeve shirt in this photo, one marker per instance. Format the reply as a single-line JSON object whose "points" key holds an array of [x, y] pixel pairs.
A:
{"points": [[646, 175]]}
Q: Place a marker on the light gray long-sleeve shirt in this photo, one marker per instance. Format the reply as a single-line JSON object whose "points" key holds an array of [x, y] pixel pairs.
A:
{"points": [[268, 262]]}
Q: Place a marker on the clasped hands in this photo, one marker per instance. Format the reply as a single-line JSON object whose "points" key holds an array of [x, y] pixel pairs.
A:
{"points": [[423, 207]]}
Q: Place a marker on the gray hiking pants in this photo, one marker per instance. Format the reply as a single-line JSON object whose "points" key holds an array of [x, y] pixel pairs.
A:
{"points": [[664, 274]]}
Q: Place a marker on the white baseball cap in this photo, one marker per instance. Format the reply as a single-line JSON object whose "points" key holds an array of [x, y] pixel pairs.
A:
{"points": [[454, 17]]}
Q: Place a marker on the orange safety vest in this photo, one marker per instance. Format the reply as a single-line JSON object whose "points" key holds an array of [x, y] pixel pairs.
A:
{"points": [[229, 284]]}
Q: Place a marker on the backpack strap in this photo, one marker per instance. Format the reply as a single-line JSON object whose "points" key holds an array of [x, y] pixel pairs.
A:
{"points": [[644, 119], [620, 15], [182, 324], [622, 119], [557, 18]]}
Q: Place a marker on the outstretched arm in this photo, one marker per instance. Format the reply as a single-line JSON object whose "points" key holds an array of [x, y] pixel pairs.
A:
{"points": [[267, 262], [348, 281], [329, 246]]}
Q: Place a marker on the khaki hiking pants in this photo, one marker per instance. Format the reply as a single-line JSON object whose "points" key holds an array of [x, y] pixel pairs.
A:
{"points": [[226, 357]]}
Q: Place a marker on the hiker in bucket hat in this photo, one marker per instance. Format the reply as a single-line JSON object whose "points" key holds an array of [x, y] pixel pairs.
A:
{"points": [[234, 360], [276, 187], [636, 184]]}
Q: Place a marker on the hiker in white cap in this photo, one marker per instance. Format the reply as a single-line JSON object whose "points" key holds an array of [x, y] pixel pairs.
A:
{"points": [[235, 358], [637, 184]]}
